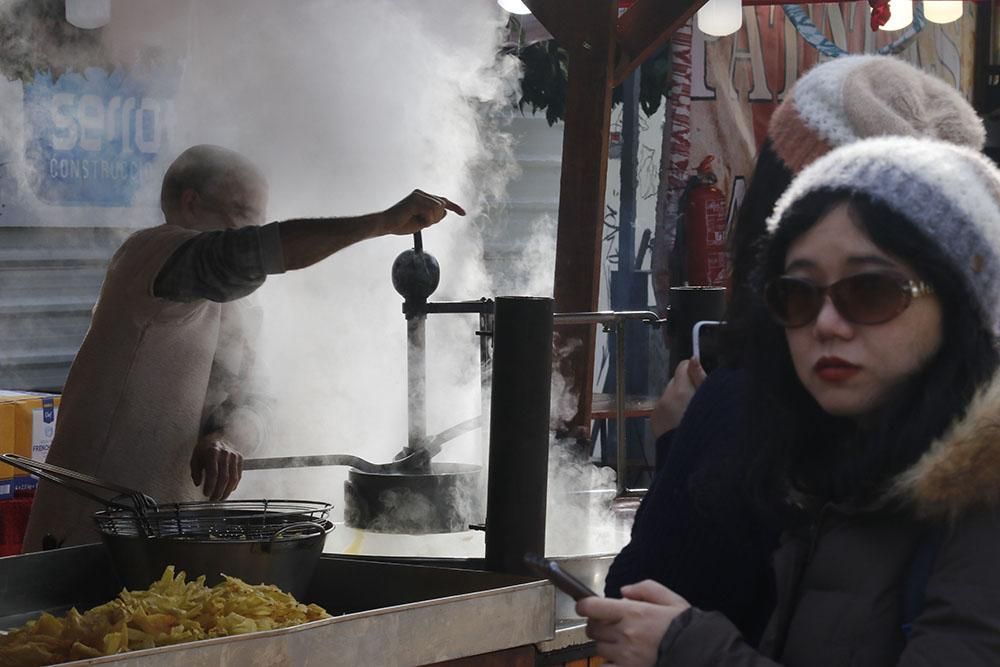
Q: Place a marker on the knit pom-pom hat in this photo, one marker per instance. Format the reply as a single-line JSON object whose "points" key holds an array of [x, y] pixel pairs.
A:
{"points": [[861, 96], [951, 193]]}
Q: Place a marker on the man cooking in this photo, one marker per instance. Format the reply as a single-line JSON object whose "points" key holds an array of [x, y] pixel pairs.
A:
{"points": [[159, 398]]}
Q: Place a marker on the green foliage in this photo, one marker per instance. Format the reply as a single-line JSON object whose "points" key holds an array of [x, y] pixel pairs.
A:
{"points": [[35, 37], [546, 67]]}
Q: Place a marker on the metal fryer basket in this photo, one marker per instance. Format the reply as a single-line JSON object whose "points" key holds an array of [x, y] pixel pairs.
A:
{"points": [[232, 520], [130, 513]]}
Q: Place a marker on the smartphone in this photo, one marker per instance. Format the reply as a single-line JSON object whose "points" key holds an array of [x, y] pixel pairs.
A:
{"points": [[705, 343], [562, 579]]}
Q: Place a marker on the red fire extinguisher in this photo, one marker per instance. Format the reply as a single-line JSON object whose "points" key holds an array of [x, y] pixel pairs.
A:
{"points": [[707, 259]]}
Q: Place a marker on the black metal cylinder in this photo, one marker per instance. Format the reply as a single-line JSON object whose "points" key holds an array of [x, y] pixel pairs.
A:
{"points": [[519, 431], [416, 380], [688, 306]]}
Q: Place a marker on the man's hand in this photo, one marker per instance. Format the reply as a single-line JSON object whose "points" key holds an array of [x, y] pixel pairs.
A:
{"points": [[305, 242], [671, 405], [417, 211], [628, 632], [215, 462]]}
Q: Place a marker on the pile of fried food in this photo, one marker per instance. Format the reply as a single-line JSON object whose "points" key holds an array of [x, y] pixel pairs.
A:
{"points": [[171, 611]]}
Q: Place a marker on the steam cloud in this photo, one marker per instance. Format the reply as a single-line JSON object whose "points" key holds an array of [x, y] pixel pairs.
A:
{"points": [[347, 106]]}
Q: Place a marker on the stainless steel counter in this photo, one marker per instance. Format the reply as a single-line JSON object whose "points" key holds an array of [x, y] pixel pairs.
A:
{"points": [[569, 633], [591, 570], [385, 613]]}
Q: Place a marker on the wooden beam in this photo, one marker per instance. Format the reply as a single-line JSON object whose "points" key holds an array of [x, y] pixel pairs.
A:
{"points": [[645, 27], [586, 29], [560, 18]]}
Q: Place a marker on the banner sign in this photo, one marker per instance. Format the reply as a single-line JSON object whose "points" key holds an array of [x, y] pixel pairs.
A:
{"points": [[92, 137], [724, 90]]}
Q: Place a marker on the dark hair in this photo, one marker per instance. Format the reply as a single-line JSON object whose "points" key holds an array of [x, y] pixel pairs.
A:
{"points": [[770, 178], [802, 448]]}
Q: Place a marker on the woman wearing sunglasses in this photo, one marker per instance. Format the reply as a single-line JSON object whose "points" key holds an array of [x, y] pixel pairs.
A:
{"points": [[873, 385], [696, 530]]}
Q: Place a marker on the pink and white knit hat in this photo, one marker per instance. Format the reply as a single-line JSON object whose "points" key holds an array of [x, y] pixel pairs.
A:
{"points": [[860, 96]]}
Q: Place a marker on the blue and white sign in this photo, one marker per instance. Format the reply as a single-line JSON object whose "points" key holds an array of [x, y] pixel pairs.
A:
{"points": [[92, 137]]}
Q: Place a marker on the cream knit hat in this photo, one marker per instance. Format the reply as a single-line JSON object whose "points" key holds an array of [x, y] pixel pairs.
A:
{"points": [[860, 96], [951, 193]]}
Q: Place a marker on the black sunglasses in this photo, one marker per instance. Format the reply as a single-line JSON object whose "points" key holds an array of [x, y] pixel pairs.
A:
{"points": [[865, 298]]}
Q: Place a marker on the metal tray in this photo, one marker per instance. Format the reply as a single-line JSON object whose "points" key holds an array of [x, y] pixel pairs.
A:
{"points": [[385, 613]]}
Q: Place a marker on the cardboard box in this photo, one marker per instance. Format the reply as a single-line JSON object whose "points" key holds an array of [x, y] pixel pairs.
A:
{"points": [[6, 445], [27, 424]]}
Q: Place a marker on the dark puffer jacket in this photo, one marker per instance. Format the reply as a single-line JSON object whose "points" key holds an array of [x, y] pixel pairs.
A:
{"points": [[695, 531], [840, 585]]}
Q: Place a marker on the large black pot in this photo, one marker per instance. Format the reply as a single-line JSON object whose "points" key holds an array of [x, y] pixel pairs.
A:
{"points": [[446, 500], [286, 559]]}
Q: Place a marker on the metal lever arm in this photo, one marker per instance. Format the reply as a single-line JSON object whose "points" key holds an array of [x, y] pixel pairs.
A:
{"points": [[73, 480]]}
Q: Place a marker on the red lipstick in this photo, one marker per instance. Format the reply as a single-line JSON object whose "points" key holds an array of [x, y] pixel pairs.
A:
{"points": [[835, 369]]}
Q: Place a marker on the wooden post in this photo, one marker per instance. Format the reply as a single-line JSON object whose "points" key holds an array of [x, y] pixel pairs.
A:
{"points": [[600, 52], [586, 29]]}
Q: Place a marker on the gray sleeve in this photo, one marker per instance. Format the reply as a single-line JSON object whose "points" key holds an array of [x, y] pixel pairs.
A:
{"points": [[221, 265], [707, 638], [960, 621]]}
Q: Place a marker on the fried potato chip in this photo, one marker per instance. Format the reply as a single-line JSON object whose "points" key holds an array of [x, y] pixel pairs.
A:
{"points": [[171, 611]]}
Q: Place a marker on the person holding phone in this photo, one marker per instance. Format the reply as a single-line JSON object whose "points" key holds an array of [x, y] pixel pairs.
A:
{"points": [[697, 530], [875, 359]]}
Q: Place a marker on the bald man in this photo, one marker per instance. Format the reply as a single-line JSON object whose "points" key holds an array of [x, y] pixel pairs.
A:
{"points": [[159, 398]]}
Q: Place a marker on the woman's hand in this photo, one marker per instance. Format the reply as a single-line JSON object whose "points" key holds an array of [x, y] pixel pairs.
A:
{"points": [[670, 407], [628, 632]]}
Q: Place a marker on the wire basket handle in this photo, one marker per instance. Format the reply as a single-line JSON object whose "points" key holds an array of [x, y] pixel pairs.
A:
{"points": [[300, 529], [77, 483]]}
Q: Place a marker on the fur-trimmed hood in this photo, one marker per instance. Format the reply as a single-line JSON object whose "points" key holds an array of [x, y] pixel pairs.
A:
{"points": [[961, 470]]}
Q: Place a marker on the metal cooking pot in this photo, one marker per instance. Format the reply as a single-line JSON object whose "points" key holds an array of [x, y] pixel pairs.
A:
{"points": [[287, 559], [260, 541], [447, 499], [412, 494]]}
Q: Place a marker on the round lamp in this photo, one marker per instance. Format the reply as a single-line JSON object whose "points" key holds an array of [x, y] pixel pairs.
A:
{"points": [[900, 15], [720, 17], [514, 6], [88, 14], [943, 11]]}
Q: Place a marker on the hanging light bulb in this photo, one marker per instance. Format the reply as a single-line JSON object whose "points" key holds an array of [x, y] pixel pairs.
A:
{"points": [[720, 17], [88, 14], [943, 11], [900, 15], [514, 6]]}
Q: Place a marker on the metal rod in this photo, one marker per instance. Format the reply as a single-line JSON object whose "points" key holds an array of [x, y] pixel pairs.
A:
{"points": [[620, 449], [485, 376], [607, 317], [629, 180], [416, 380], [519, 431], [481, 306]]}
